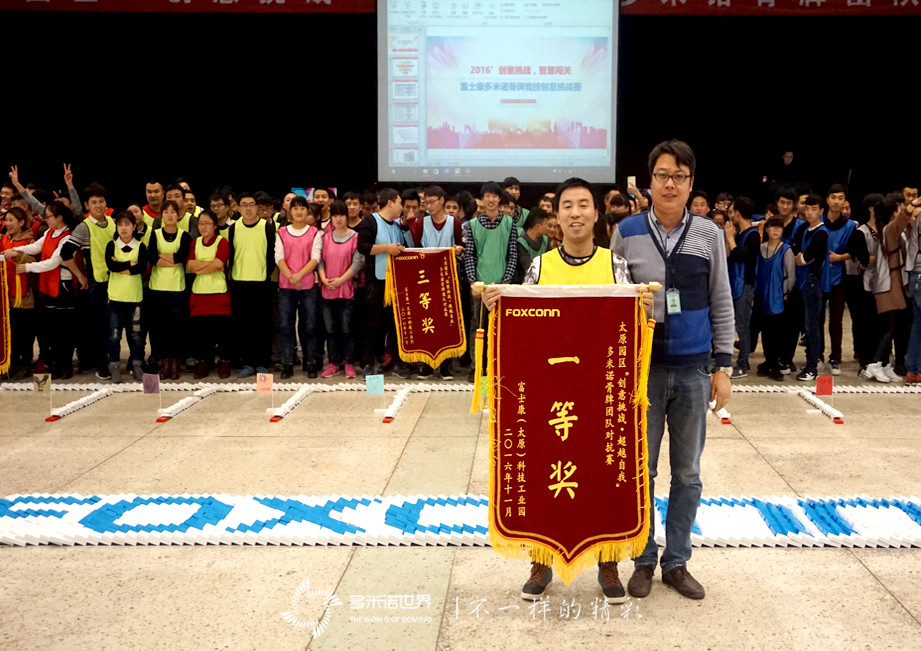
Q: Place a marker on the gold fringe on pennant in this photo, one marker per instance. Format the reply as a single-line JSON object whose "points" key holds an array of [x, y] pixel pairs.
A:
{"points": [[476, 404], [601, 552], [390, 291], [7, 351]]}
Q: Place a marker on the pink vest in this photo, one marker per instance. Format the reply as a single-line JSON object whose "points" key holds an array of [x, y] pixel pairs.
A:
{"points": [[337, 258], [297, 254]]}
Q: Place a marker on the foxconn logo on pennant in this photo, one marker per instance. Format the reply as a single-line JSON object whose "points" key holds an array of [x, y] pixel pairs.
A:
{"points": [[306, 600]]}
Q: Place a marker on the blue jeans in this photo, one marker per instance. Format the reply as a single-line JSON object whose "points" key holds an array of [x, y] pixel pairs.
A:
{"points": [[127, 317], [302, 304], [743, 313], [913, 357], [680, 396], [812, 315], [337, 316]]}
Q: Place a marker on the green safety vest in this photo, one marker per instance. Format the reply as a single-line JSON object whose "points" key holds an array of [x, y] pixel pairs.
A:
{"points": [[100, 236], [249, 250], [167, 279], [491, 249], [210, 283], [126, 288]]}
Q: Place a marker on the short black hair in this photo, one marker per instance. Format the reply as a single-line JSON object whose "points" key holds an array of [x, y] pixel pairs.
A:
{"points": [[157, 182], [298, 201], [787, 193], [410, 195], [491, 187], [351, 195], [370, 196], [386, 195], [535, 217], [835, 188], [435, 191], [210, 215], [94, 190], [813, 200], [122, 216], [509, 181], [263, 199], [681, 150], [173, 186], [699, 193], [775, 221], [744, 206], [338, 207], [573, 182], [724, 196]]}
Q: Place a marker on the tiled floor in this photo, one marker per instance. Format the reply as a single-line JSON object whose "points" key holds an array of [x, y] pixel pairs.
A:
{"points": [[209, 597]]}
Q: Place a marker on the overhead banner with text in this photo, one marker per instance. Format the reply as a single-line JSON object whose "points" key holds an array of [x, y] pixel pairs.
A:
{"points": [[568, 482], [423, 287], [627, 7]]}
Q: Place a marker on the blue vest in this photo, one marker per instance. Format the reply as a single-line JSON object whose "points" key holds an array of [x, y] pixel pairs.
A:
{"points": [[432, 237], [737, 267], [387, 233], [769, 282], [832, 272]]}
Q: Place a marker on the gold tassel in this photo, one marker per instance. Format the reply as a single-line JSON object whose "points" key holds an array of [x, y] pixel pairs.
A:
{"points": [[17, 302], [6, 352], [477, 404], [389, 290]]}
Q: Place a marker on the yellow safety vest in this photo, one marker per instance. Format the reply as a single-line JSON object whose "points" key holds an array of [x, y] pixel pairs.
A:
{"points": [[167, 279], [126, 288], [210, 283], [554, 270], [100, 236], [250, 246]]}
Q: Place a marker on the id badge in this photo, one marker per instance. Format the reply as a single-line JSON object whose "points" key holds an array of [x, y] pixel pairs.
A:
{"points": [[673, 301]]}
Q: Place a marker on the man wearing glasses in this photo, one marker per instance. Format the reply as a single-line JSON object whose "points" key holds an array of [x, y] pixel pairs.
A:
{"points": [[685, 253]]}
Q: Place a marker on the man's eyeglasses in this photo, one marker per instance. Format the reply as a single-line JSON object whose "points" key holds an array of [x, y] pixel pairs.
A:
{"points": [[677, 177]]}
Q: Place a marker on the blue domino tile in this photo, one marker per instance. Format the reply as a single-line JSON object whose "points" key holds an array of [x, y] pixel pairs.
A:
{"points": [[398, 520]]}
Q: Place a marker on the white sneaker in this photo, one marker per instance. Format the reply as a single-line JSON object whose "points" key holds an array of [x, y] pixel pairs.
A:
{"points": [[891, 374], [874, 371]]}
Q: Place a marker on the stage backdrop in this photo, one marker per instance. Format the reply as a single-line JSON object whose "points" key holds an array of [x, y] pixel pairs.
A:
{"points": [[568, 481]]}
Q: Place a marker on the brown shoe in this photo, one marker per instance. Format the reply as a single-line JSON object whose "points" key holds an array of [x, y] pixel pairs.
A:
{"points": [[537, 583], [223, 369], [682, 581], [641, 582], [174, 368], [201, 370]]}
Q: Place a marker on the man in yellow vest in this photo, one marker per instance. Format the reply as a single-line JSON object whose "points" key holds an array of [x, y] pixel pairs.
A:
{"points": [[576, 261], [252, 260], [91, 237]]}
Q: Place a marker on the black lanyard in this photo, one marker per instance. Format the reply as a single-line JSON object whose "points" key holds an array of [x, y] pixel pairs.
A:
{"points": [[671, 261]]}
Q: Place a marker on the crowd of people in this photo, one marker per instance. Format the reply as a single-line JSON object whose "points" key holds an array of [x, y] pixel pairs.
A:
{"points": [[247, 282]]}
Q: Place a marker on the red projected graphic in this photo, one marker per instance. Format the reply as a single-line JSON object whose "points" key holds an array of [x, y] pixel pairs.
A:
{"points": [[560, 135]]}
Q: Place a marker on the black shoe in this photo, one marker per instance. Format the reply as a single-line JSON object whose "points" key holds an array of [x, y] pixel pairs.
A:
{"points": [[763, 369], [609, 581], [445, 370], [312, 373], [537, 583], [401, 371], [287, 371], [102, 372], [776, 375], [471, 376], [425, 372]]}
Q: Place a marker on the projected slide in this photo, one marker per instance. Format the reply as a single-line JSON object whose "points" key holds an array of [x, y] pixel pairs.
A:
{"points": [[477, 90]]}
